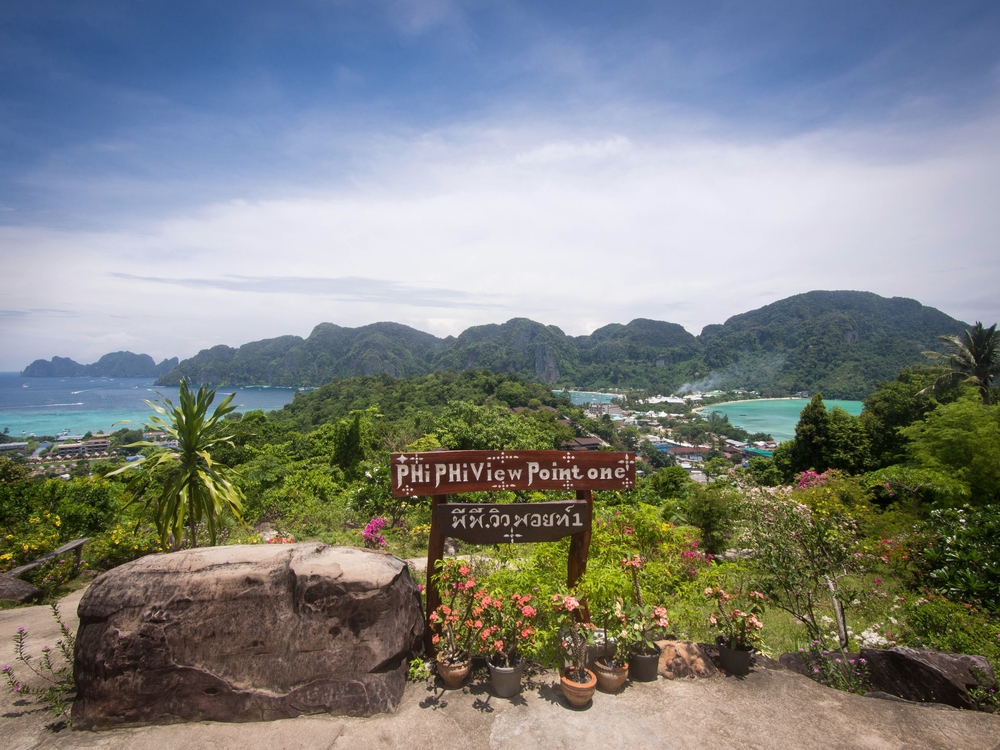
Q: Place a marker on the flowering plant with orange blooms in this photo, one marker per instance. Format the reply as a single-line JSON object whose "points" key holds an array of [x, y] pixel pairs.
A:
{"points": [[505, 621], [454, 625], [737, 619], [575, 634]]}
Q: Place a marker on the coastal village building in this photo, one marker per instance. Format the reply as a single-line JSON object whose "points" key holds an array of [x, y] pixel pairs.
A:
{"points": [[85, 448]]}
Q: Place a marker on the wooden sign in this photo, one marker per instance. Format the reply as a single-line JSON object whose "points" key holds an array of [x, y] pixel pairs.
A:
{"points": [[512, 523], [442, 473], [449, 472]]}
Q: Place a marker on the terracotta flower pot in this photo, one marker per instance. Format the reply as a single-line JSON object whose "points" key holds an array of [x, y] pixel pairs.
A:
{"points": [[578, 694], [453, 674], [610, 679]]}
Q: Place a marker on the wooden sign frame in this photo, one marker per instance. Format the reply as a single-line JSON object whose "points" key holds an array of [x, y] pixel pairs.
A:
{"points": [[466, 471]]}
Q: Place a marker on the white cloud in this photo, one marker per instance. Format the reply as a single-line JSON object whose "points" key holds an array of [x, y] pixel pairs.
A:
{"points": [[572, 229]]}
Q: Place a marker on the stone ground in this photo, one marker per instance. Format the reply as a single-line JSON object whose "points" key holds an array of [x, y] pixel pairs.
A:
{"points": [[767, 709]]}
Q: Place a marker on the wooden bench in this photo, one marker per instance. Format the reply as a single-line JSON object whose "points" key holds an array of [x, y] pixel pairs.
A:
{"points": [[75, 546]]}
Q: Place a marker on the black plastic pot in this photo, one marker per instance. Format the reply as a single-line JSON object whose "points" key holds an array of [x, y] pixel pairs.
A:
{"points": [[644, 667], [734, 662]]}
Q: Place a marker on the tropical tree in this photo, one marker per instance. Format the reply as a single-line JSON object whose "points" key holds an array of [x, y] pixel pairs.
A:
{"points": [[191, 487], [973, 358], [961, 441]]}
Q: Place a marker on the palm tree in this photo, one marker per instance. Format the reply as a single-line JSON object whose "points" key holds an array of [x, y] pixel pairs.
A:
{"points": [[193, 486], [973, 358]]}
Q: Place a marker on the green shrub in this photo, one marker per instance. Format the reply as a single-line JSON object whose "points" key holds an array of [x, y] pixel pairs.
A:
{"points": [[29, 538], [937, 623], [962, 560], [121, 544], [713, 510], [51, 576]]}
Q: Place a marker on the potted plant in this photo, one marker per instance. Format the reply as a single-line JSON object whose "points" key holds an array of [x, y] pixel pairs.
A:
{"points": [[611, 667], [577, 682], [642, 622], [504, 622], [455, 629], [739, 626]]}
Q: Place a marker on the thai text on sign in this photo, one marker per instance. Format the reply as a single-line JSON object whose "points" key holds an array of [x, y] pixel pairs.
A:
{"points": [[512, 523], [448, 472]]}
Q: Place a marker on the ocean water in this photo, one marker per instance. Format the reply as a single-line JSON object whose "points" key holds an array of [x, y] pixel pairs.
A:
{"points": [[47, 406], [775, 416], [587, 397]]}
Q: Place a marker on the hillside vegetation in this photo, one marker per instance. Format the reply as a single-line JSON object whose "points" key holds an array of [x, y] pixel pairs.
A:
{"points": [[869, 532], [840, 343]]}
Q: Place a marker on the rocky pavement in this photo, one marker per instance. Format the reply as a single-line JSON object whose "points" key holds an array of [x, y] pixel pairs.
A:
{"points": [[768, 709]]}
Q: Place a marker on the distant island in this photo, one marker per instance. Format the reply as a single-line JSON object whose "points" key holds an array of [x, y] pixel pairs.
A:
{"points": [[838, 343], [114, 365]]}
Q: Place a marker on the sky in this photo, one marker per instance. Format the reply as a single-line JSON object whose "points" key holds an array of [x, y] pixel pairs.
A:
{"points": [[176, 175]]}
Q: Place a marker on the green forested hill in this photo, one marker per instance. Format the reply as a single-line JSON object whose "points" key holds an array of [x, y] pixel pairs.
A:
{"points": [[837, 343], [329, 352], [114, 365], [518, 346], [415, 397], [840, 343]]}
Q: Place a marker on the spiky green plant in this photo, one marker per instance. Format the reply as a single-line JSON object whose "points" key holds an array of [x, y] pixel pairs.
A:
{"points": [[192, 487], [973, 358]]}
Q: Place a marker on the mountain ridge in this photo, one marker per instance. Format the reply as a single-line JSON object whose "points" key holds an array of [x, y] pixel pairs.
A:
{"points": [[112, 365], [840, 343]]}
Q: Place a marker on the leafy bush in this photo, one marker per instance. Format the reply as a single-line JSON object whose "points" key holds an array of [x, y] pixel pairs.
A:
{"points": [[962, 561], [960, 440], [935, 622], [762, 472], [30, 538], [122, 544], [713, 510], [802, 555], [52, 575]]}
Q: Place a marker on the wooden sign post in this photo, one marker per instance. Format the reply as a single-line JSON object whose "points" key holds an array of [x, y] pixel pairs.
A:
{"points": [[441, 473]]}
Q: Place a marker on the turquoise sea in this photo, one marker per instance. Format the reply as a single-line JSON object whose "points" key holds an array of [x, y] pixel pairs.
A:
{"points": [[587, 397], [48, 406], [775, 416]]}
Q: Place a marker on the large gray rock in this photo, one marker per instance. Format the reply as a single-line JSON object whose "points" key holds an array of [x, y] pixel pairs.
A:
{"points": [[15, 590], [245, 633], [925, 676]]}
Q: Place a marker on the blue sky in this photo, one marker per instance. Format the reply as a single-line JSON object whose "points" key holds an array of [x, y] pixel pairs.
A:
{"points": [[175, 175]]}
